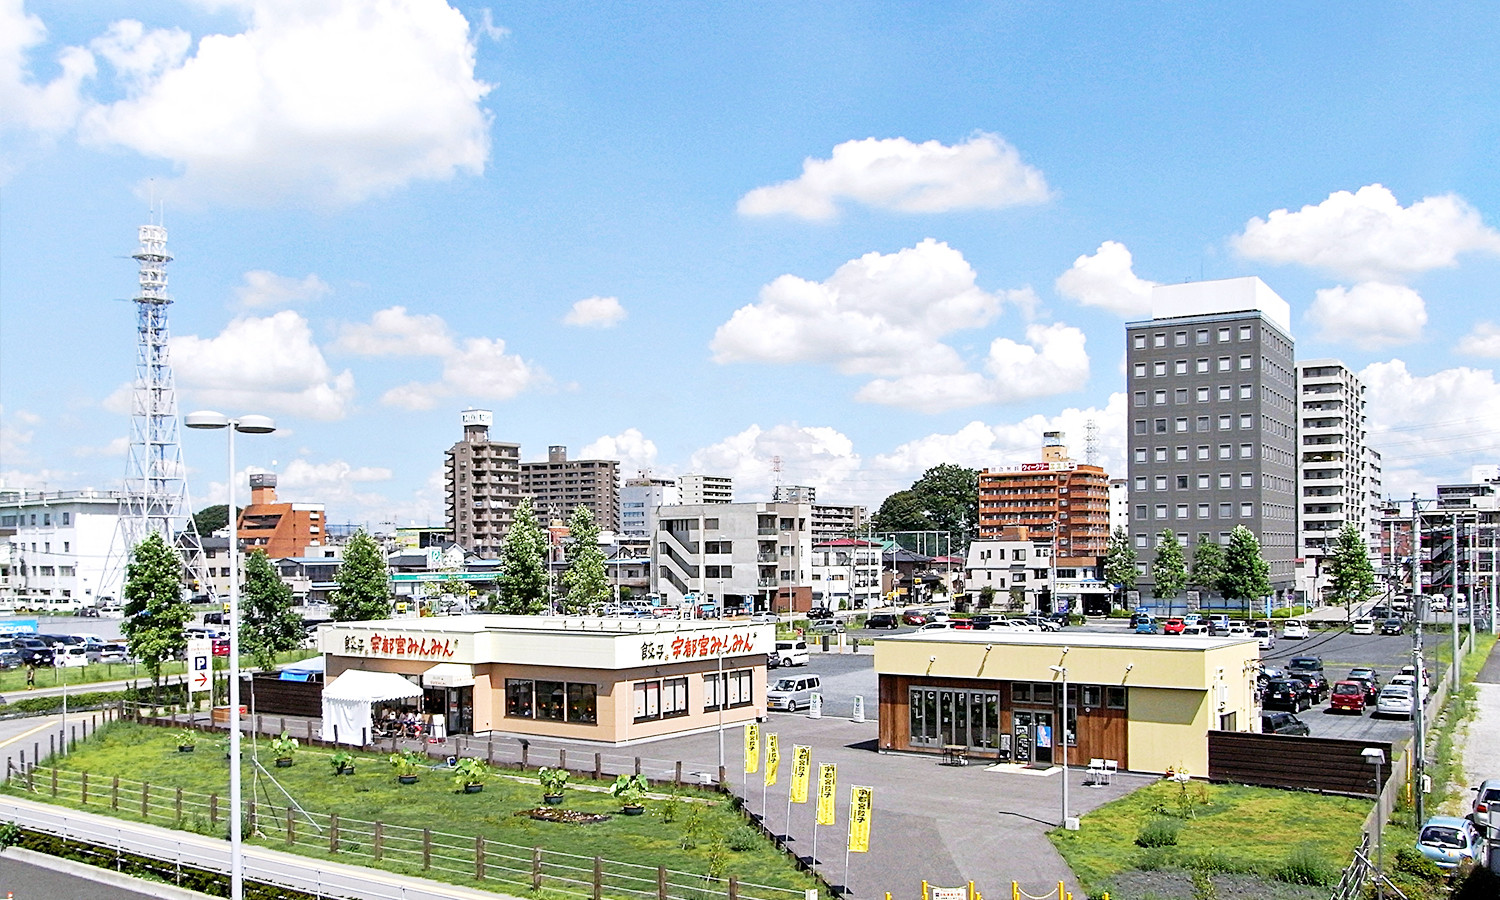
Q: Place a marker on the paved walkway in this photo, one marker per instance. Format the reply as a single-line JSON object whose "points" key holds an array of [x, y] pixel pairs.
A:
{"points": [[1481, 739]]}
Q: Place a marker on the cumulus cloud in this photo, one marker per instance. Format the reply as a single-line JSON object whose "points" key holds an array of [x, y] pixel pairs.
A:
{"points": [[26, 105], [268, 364], [634, 450], [262, 288], [1107, 281], [1425, 425], [887, 314], [1483, 340], [118, 446], [320, 104], [819, 456], [475, 367], [596, 312], [983, 172], [1369, 235], [1370, 315]]}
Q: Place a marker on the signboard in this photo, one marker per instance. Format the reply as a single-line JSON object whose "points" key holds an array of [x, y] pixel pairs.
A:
{"points": [[400, 645], [707, 646], [1037, 467], [942, 893], [801, 772], [828, 776], [477, 417], [773, 759], [200, 665], [861, 805], [752, 749]]}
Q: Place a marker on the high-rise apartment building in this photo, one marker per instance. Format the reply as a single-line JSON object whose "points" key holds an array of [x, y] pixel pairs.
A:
{"points": [[1055, 499], [1338, 473], [1212, 420], [695, 489], [559, 485], [482, 485]]}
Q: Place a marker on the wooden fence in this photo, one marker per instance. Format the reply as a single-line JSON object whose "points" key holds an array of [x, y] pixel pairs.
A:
{"points": [[1331, 765]]}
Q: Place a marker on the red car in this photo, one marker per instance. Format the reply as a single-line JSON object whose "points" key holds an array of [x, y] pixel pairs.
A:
{"points": [[221, 646], [1349, 696], [1173, 626], [914, 617]]}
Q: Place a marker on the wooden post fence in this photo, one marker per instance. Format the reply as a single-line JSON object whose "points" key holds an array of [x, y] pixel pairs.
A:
{"points": [[536, 869], [333, 832], [54, 781], [598, 766], [291, 826], [426, 848], [379, 843], [213, 810], [661, 883], [479, 856], [114, 794], [178, 805], [83, 788], [598, 878]]}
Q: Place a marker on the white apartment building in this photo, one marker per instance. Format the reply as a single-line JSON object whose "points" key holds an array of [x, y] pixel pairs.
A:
{"points": [[754, 556], [1015, 566], [846, 574], [1338, 473], [1119, 504], [640, 498], [698, 489], [60, 545]]}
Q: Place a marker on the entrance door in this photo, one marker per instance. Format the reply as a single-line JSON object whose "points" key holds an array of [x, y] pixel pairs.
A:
{"points": [[459, 716], [1044, 737], [1021, 725], [953, 713], [923, 706]]}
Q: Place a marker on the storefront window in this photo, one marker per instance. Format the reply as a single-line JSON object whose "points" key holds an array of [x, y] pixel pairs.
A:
{"points": [[1020, 693], [674, 700], [549, 700], [1115, 697], [583, 704], [1041, 693], [518, 698], [647, 696], [1093, 696], [739, 685]]}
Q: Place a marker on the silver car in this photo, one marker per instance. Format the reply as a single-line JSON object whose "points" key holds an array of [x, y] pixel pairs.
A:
{"points": [[1394, 700]]}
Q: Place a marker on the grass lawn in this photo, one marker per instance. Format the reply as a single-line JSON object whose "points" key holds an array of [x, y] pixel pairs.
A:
{"points": [[14, 680], [1232, 828], [146, 753]]}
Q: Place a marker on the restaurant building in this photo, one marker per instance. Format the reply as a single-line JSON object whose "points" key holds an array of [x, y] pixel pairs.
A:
{"points": [[609, 680], [1144, 701]]}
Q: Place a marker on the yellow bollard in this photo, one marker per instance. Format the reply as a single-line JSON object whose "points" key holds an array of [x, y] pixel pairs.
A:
{"points": [[1061, 894], [971, 890], [1015, 891], [924, 889]]}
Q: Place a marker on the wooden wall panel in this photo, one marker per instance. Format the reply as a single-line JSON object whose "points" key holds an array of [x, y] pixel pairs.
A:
{"points": [[1287, 761]]}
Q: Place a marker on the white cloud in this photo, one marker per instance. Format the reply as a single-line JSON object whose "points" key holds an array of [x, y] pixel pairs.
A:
{"points": [[1371, 314], [1484, 340], [887, 314], [46, 109], [634, 450], [1369, 235], [596, 312], [475, 367], [1425, 426], [264, 365], [983, 172], [325, 103], [262, 288], [1107, 281], [117, 447], [16, 433], [818, 456]]}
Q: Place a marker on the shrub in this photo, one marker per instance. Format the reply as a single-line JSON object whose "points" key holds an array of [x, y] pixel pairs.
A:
{"points": [[1304, 865], [1154, 858], [718, 858], [692, 828], [1158, 833], [1410, 861], [742, 838], [669, 807]]}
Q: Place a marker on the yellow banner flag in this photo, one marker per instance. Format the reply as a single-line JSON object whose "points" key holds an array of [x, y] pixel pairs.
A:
{"points": [[801, 772], [828, 776], [861, 805], [773, 759], [752, 748]]}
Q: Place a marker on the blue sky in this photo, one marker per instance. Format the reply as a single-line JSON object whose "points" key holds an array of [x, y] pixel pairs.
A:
{"points": [[863, 238]]}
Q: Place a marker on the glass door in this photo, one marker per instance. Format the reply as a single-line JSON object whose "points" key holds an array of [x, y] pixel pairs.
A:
{"points": [[923, 706], [1044, 737]]}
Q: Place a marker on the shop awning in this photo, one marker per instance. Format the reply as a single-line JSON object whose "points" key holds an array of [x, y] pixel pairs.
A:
{"points": [[371, 687], [448, 675]]}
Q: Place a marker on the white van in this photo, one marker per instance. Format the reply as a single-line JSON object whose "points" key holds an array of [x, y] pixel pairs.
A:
{"points": [[793, 692], [70, 655], [789, 653]]}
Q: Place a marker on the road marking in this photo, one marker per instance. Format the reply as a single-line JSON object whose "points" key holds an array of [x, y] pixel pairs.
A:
{"points": [[25, 734]]}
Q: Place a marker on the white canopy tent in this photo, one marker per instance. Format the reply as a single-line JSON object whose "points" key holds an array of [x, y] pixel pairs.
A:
{"points": [[347, 700]]}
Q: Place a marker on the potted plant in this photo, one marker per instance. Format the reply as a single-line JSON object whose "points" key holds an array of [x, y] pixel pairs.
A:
{"points": [[342, 762], [631, 789], [407, 764], [468, 774], [282, 748], [187, 740], [554, 782]]}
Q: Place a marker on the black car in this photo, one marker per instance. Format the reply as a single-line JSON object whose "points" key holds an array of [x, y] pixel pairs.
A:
{"points": [[34, 652], [1290, 694], [883, 620], [819, 612], [88, 612], [1283, 723], [1392, 625], [1317, 685], [215, 618]]}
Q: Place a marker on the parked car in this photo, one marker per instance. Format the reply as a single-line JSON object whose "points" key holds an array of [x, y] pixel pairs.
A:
{"points": [[220, 646], [882, 620], [1379, 612], [1238, 629], [215, 618], [1218, 624], [1487, 801], [1363, 626], [1138, 618], [1043, 622], [1295, 630], [1304, 664], [1392, 625], [934, 626], [791, 653], [1348, 696], [1195, 628], [793, 692], [768, 619], [34, 652], [114, 652], [914, 617], [1266, 637], [1283, 723], [1317, 685], [72, 656], [1290, 694], [1366, 676], [1448, 841], [819, 612], [1173, 625], [87, 612], [1394, 700], [1146, 625], [1426, 675]]}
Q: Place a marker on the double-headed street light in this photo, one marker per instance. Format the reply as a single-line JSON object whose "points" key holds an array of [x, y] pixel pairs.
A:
{"points": [[247, 425], [1068, 822]]}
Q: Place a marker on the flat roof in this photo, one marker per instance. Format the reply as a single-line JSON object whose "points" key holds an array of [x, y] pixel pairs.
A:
{"points": [[481, 623], [1070, 639]]}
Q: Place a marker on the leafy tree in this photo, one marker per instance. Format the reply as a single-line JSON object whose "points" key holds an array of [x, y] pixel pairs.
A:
{"points": [[211, 518], [1120, 562], [1168, 571], [585, 585], [1245, 574], [364, 587], [523, 565], [268, 625], [901, 511], [945, 498], [1351, 577], [1208, 563], [986, 597], [155, 610]]}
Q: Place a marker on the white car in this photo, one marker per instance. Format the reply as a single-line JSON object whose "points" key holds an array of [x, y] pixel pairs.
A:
{"points": [[1266, 637], [1295, 630], [1394, 700], [1363, 626], [1238, 629]]}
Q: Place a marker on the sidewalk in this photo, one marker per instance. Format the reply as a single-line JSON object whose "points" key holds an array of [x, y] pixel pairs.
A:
{"points": [[1480, 741]]}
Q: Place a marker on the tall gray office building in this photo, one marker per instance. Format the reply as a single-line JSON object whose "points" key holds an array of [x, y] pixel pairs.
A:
{"points": [[1212, 430]]}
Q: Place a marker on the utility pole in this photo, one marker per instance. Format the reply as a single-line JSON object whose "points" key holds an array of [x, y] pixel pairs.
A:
{"points": [[1418, 720]]}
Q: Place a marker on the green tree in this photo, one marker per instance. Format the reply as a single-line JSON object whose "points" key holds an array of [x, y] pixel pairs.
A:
{"points": [[901, 511], [364, 587], [155, 610], [523, 565], [585, 585], [1120, 563], [268, 625], [1168, 570], [1208, 564], [1246, 574], [1351, 577], [211, 518], [945, 498]]}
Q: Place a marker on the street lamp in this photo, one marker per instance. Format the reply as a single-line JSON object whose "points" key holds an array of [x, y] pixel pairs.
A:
{"points": [[247, 425], [1069, 824], [1376, 757]]}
